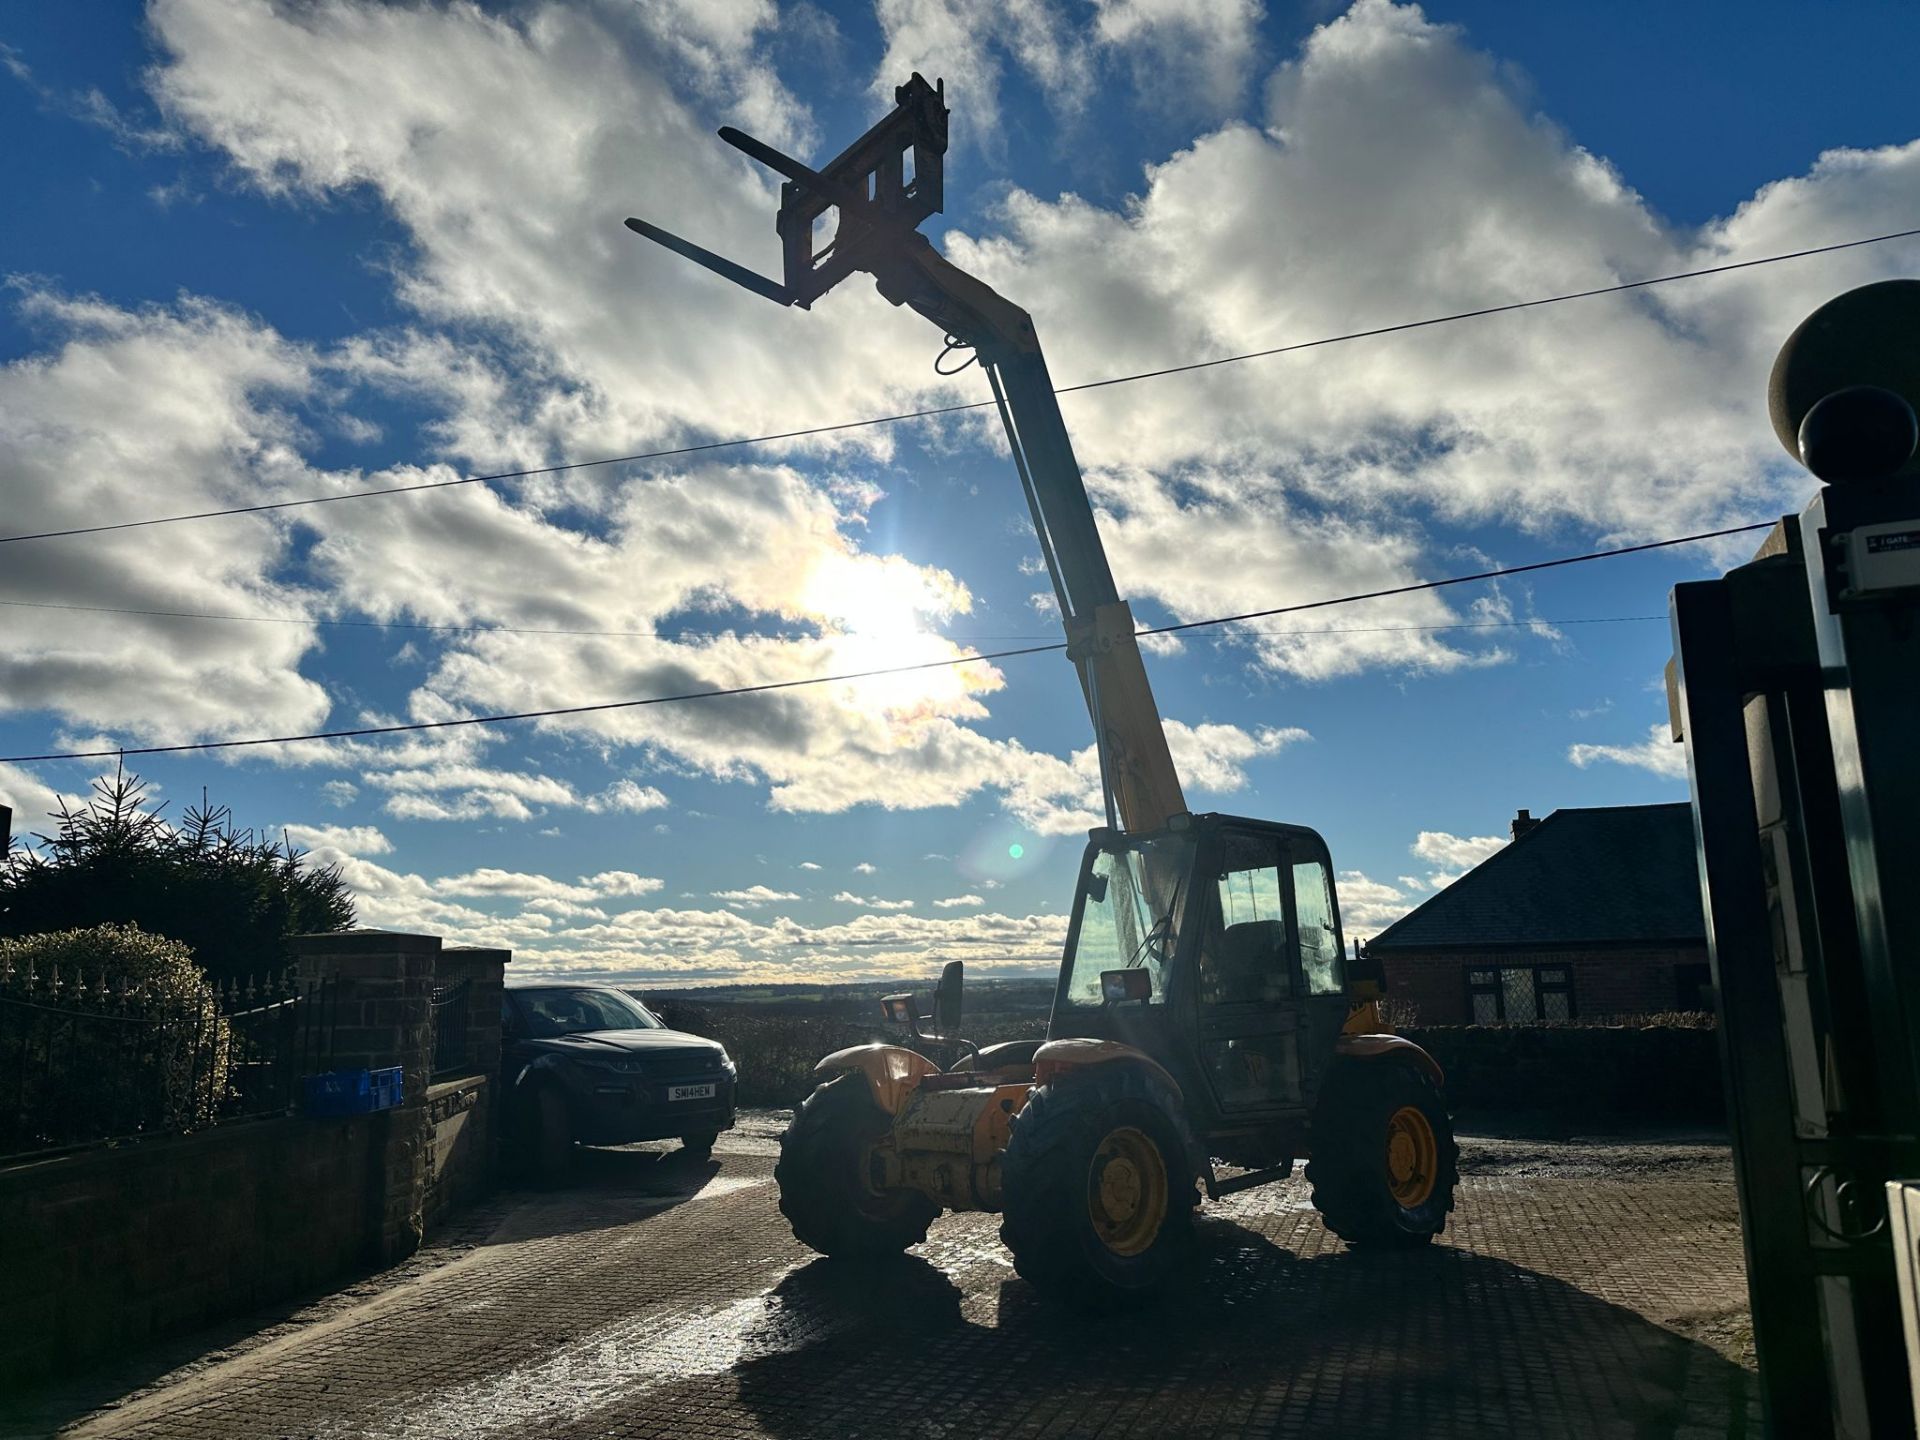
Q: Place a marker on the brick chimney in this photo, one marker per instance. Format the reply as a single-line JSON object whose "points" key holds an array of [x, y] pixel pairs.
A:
{"points": [[1523, 821]]}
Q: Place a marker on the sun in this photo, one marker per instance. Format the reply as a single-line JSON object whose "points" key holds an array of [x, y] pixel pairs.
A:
{"points": [[879, 613], [879, 596]]}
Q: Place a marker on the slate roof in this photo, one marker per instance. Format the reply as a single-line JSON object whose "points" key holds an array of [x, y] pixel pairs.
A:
{"points": [[1620, 875]]}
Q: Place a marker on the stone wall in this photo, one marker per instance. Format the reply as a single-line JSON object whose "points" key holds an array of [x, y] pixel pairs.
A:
{"points": [[460, 1158], [105, 1249], [1579, 1076], [102, 1250]]}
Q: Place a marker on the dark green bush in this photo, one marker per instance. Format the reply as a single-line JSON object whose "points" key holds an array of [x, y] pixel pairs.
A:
{"points": [[117, 1032]]}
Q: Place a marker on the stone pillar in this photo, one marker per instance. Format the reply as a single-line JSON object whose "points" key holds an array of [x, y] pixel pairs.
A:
{"points": [[384, 1017], [487, 969]]}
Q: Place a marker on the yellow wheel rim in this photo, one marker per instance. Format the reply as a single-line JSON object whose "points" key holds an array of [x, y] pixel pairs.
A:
{"points": [[1127, 1191], [1413, 1157]]}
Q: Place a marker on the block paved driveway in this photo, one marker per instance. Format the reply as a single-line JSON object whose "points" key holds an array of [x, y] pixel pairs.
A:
{"points": [[1581, 1290]]}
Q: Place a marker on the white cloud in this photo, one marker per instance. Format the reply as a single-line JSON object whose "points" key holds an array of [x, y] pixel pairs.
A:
{"points": [[869, 903], [808, 865], [1188, 56], [1367, 904], [514, 212], [627, 797], [866, 867], [344, 839], [1191, 58], [954, 902], [1456, 852], [448, 787], [32, 801], [137, 413], [755, 895], [1349, 206], [512, 883], [1657, 753], [1055, 797], [553, 930], [1620, 418], [621, 882]]}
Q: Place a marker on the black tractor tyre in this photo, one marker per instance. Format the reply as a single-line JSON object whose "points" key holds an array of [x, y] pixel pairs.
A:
{"points": [[1385, 1162], [699, 1146], [825, 1190], [1097, 1186]]}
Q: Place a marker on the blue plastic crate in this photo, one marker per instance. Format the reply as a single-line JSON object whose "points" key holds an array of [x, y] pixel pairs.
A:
{"points": [[353, 1092]]}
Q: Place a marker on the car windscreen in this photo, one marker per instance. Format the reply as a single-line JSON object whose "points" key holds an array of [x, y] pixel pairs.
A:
{"points": [[547, 1013]]}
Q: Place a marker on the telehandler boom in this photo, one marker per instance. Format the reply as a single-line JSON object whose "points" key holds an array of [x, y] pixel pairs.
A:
{"points": [[1203, 1008]]}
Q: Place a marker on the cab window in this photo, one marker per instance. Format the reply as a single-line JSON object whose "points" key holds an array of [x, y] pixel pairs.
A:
{"points": [[1243, 955], [1131, 909], [1319, 938]]}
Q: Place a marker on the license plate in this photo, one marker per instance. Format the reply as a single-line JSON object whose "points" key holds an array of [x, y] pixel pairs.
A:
{"points": [[689, 1092]]}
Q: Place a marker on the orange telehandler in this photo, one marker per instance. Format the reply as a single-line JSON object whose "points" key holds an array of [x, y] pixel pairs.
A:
{"points": [[1205, 1007]]}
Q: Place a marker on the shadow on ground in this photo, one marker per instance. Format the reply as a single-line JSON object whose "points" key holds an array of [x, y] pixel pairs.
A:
{"points": [[1258, 1341], [601, 1189]]}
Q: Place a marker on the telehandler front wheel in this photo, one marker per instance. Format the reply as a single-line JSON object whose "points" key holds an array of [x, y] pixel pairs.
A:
{"points": [[1097, 1187], [1384, 1160], [826, 1184]]}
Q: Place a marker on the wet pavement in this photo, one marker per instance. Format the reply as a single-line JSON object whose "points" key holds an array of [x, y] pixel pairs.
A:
{"points": [[1582, 1290]]}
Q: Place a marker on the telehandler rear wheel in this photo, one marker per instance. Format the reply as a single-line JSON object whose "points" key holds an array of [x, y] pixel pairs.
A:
{"points": [[1384, 1160], [825, 1178], [1097, 1185]]}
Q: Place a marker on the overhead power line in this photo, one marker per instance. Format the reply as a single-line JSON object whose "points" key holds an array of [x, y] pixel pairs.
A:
{"points": [[366, 731], [1464, 579], [933, 412], [328, 623]]}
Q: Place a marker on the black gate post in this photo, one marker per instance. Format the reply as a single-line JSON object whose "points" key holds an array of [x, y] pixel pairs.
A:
{"points": [[1710, 705]]}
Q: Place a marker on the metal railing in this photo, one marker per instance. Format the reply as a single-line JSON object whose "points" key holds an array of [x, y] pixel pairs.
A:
{"points": [[87, 1061], [451, 1050]]}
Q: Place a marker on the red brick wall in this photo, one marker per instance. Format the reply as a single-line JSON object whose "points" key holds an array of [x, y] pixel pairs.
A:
{"points": [[1605, 982]]}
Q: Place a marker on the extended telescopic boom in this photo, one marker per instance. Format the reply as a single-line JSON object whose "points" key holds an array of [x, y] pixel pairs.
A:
{"points": [[880, 188]]}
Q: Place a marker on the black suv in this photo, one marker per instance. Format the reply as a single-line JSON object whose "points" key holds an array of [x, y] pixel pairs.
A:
{"points": [[586, 1063]]}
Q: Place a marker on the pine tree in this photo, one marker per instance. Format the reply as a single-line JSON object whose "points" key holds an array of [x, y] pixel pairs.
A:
{"points": [[229, 893]]}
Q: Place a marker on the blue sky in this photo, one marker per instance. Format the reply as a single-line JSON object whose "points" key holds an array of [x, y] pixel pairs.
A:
{"points": [[258, 254]]}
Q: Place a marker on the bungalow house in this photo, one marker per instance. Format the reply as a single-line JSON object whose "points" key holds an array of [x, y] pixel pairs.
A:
{"points": [[1587, 912]]}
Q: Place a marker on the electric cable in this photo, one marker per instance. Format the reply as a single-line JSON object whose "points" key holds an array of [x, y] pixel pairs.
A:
{"points": [[933, 412], [326, 623], [361, 732]]}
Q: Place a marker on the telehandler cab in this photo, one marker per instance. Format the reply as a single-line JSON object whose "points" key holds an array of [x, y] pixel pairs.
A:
{"points": [[1205, 1007]]}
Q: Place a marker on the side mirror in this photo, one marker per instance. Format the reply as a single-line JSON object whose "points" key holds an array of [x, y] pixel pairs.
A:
{"points": [[946, 999], [1117, 986]]}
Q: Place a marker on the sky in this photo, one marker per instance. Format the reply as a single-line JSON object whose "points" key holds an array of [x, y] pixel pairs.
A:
{"points": [[263, 253]]}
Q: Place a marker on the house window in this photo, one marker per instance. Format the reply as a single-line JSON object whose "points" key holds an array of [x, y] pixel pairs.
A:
{"points": [[1516, 994]]}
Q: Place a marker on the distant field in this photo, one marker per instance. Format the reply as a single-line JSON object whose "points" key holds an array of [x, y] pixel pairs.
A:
{"points": [[863, 999]]}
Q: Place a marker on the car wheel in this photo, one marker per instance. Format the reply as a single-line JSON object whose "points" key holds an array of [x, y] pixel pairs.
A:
{"points": [[550, 1146], [699, 1146]]}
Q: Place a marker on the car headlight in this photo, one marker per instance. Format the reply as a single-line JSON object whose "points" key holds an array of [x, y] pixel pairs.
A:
{"points": [[726, 1063], [621, 1064]]}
